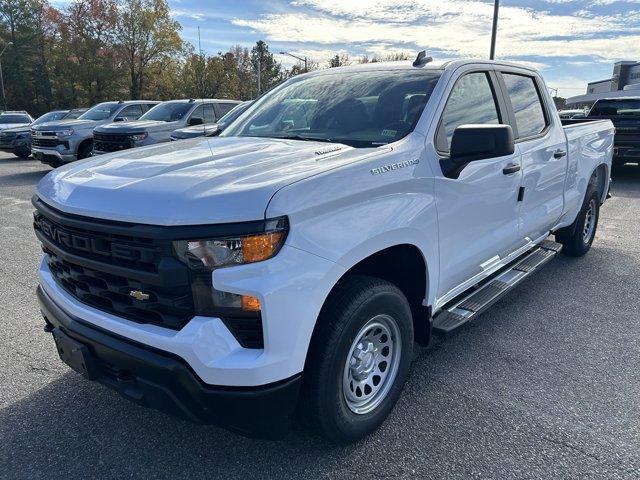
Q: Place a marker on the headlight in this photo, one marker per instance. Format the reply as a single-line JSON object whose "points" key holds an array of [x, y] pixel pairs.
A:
{"points": [[205, 255], [214, 253], [21, 136], [65, 133], [138, 137]]}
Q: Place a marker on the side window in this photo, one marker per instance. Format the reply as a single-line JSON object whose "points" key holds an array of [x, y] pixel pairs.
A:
{"points": [[527, 105], [198, 112], [471, 101], [131, 112], [209, 114]]}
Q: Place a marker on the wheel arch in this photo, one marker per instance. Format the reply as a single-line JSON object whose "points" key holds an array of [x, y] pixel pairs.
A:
{"points": [[600, 178], [405, 266]]}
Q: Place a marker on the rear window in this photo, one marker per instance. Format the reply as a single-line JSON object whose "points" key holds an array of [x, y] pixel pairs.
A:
{"points": [[609, 108], [14, 118]]}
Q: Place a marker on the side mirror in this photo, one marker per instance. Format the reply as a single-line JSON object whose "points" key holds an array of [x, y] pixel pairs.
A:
{"points": [[471, 143], [119, 119], [196, 121], [214, 132]]}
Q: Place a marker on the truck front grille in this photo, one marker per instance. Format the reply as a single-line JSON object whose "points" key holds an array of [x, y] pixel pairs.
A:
{"points": [[128, 275], [45, 142], [104, 142], [7, 137]]}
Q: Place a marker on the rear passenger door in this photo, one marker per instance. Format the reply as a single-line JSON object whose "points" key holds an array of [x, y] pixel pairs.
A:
{"points": [[478, 213], [542, 144]]}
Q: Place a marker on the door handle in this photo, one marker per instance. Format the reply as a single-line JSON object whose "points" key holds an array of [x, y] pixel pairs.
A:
{"points": [[559, 153], [511, 168]]}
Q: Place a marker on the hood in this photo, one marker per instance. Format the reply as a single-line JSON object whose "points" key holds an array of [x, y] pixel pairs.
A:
{"points": [[6, 126], [20, 129], [195, 131], [64, 124], [197, 181], [136, 126]]}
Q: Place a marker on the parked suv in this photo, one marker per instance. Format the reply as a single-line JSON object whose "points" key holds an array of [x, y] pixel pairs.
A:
{"points": [[18, 140], [211, 129], [68, 140], [158, 123]]}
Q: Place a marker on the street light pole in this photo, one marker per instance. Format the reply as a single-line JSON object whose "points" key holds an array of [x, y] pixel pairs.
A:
{"points": [[302, 59], [4, 100], [494, 31]]}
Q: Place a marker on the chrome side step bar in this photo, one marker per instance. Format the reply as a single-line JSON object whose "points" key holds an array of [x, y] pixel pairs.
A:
{"points": [[464, 309]]}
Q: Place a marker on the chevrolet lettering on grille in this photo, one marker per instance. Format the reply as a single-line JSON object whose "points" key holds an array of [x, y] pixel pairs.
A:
{"points": [[81, 243]]}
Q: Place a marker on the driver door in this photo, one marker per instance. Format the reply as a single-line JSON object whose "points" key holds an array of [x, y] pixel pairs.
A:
{"points": [[478, 212]]}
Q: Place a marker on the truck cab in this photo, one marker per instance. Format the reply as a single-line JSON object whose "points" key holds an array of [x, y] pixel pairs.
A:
{"points": [[64, 141], [625, 115], [158, 123], [289, 264]]}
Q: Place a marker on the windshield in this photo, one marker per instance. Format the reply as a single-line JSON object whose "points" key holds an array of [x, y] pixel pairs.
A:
{"points": [[361, 109], [168, 111], [50, 117], [101, 111], [610, 108], [232, 114], [14, 118]]}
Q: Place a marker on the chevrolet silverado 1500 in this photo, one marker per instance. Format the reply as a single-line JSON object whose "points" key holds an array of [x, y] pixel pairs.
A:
{"points": [[64, 141], [290, 263], [157, 124]]}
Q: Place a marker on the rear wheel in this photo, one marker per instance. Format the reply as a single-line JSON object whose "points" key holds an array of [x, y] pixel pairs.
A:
{"points": [[359, 358], [578, 237]]}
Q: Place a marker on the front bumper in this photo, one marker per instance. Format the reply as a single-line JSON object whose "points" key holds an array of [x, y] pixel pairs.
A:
{"points": [[162, 381], [51, 155]]}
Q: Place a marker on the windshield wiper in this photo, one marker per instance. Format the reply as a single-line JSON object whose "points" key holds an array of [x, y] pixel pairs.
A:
{"points": [[303, 138]]}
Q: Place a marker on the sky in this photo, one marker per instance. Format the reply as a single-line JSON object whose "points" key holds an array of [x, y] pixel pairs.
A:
{"points": [[570, 41]]}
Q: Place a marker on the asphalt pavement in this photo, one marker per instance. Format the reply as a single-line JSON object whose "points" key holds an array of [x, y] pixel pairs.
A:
{"points": [[544, 385]]}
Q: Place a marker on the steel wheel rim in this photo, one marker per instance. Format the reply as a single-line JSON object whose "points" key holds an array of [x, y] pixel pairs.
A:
{"points": [[372, 364], [589, 222]]}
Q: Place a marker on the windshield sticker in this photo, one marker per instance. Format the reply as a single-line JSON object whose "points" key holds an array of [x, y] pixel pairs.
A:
{"points": [[389, 133]]}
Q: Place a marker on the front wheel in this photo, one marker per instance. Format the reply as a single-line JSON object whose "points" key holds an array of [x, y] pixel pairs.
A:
{"points": [[23, 153], [578, 237], [85, 150], [359, 358]]}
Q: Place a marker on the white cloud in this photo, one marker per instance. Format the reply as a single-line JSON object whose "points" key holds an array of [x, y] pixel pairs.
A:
{"points": [[455, 27]]}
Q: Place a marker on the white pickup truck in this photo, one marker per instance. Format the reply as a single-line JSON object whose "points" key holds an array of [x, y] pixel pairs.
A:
{"points": [[290, 264]]}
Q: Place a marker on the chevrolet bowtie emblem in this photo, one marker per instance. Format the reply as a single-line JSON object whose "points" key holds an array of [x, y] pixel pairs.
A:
{"points": [[138, 295]]}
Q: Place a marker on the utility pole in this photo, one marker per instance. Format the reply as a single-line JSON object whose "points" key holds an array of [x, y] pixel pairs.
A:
{"points": [[4, 100], [494, 31], [302, 59]]}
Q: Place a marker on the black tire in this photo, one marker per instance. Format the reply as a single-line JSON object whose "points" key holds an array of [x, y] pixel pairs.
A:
{"points": [[85, 150], [357, 301], [23, 153], [578, 237]]}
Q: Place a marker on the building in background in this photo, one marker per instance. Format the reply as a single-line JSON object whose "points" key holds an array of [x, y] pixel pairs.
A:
{"points": [[625, 82]]}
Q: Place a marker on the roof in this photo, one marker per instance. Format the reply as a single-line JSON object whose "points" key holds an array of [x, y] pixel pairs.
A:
{"points": [[205, 100], [408, 65]]}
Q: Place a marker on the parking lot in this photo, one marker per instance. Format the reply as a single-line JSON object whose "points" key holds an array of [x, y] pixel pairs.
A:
{"points": [[544, 385]]}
